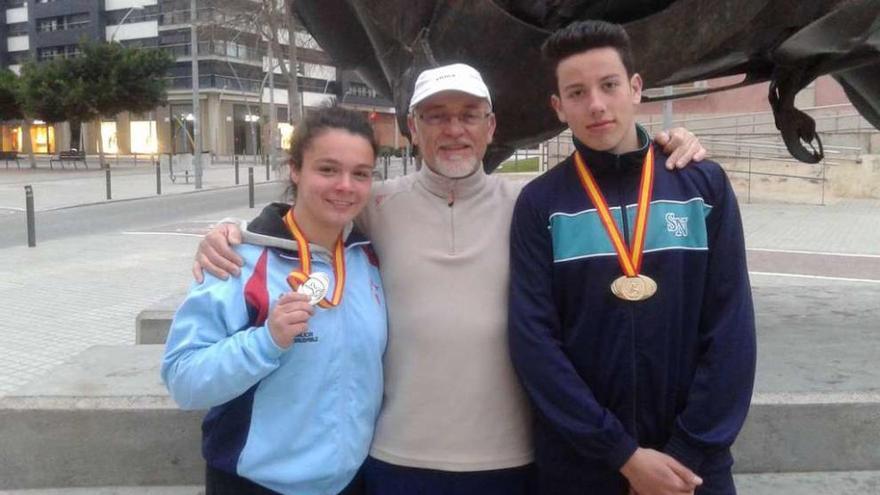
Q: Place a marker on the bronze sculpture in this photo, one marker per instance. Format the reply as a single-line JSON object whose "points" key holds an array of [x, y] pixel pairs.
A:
{"points": [[786, 42]]}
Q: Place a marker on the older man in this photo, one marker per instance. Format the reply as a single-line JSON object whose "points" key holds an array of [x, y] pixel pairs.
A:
{"points": [[454, 419]]}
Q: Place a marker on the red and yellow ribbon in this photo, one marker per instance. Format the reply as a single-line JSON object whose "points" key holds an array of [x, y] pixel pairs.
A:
{"points": [[630, 258], [298, 277]]}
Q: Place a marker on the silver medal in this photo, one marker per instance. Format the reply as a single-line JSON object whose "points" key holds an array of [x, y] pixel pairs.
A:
{"points": [[315, 287]]}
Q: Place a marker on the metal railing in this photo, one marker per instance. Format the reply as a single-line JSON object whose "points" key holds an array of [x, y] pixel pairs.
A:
{"points": [[763, 122], [749, 145]]}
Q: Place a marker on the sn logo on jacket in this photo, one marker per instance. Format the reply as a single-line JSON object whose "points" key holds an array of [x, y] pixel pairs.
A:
{"points": [[677, 225]]}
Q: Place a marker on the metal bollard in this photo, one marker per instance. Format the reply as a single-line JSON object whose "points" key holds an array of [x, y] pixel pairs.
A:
{"points": [[235, 162], [107, 176], [158, 178], [267, 168], [186, 175], [250, 187], [29, 207]]}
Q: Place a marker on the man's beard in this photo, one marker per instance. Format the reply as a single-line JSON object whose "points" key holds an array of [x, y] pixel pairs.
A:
{"points": [[455, 170]]}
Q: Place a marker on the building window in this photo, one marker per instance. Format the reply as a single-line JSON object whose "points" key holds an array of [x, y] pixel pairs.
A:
{"points": [[143, 136], [174, 38], [148, 12], [109, 138], [285, 130], [362, 90], [181, 129], [43, 138], [46, 25], [231, 49], [18, 57], [48, 53], [10, 137], [174, 17], [62, 23], [54, 52], [17, 29]]}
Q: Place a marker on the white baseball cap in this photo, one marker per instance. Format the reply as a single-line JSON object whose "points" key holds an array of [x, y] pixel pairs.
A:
{"points": [[454, 77]]}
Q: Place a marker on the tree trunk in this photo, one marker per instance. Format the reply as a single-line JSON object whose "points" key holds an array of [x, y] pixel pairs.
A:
{"points": [[26, 146]]}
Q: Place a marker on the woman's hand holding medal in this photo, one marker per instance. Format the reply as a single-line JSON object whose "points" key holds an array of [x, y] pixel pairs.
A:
{"points": [[289, 318], [291, 313]]}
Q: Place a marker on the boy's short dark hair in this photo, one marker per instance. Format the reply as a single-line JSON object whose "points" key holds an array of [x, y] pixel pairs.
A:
{"points": [[581, 36]]}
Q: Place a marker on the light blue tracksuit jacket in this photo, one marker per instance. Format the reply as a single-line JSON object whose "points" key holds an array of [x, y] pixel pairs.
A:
{"points": [[298, 420]]}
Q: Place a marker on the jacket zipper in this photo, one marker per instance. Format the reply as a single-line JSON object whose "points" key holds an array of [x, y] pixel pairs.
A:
{"points": [[621, 193], [450, 202]]}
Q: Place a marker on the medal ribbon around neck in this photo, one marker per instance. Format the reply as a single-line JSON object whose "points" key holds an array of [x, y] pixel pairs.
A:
{"points": [[298, 277], [630, 259]]}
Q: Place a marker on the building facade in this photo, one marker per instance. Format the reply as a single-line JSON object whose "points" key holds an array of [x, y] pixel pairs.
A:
{"points": [[234, 88]]}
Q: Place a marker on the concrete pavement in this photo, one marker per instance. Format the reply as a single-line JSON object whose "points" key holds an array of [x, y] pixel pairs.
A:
{"points": [[61, 188], [815, 272], [68, 294], [76, 290], [67, 187], [65, 295]]}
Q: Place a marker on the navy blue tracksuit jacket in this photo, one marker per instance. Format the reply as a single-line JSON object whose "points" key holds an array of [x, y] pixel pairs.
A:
{"points": [[673, 372]]}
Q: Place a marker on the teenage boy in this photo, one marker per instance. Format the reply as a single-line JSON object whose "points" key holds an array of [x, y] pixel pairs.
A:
{"points": [[631, 321]]}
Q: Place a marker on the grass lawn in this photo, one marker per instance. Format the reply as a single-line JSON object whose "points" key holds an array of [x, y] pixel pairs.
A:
{"points": [[521, 165]]}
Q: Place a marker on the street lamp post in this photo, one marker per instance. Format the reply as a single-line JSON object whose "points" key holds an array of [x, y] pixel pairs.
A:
{"points": [[273, 116], [197, 138]]}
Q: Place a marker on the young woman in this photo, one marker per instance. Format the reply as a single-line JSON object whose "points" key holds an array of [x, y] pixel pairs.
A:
{"points": [[293, 381]]}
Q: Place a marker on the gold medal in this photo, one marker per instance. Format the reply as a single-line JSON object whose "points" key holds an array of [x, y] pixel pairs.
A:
{"points": [[636, 288], [632, 286]]}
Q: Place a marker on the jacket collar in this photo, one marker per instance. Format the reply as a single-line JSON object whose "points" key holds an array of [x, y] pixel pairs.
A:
{"points": [[445, 187], [268, 229], [603, 162]]}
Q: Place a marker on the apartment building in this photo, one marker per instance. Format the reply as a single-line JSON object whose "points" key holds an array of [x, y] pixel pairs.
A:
{"points": [[234, 88]]}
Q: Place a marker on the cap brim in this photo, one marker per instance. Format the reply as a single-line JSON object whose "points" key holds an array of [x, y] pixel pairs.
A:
{"points": [[434, 91]]}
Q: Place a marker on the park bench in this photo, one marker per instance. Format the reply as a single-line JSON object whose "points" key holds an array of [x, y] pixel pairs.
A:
{"points": [[69, 156], [10, 155]]}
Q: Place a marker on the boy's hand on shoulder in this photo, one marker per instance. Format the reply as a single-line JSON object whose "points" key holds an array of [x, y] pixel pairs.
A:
{"points": [[681, 145], [651, 472]]}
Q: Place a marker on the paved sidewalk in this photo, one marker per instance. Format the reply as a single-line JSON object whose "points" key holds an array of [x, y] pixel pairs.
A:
{"points": [[61, 188], [68, 294], [848, 226], [64, 188]]}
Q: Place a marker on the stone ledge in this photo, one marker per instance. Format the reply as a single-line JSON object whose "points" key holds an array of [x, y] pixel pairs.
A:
{"points": [[817, 483], [112, 490], [101, 419], [152, 324], [105, 419]]}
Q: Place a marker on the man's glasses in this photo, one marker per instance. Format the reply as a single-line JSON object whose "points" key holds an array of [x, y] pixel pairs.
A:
{"points": [[437, 119]]}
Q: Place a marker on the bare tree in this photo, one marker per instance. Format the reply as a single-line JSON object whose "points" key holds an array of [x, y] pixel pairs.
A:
{"points": [[273, 21]]}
